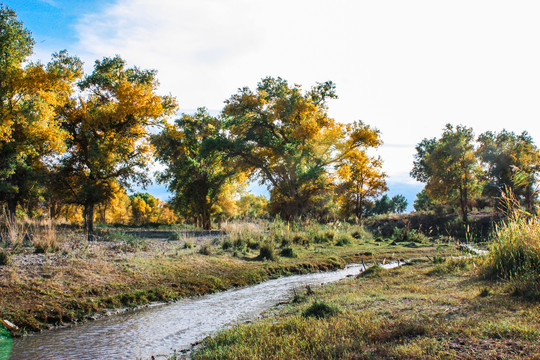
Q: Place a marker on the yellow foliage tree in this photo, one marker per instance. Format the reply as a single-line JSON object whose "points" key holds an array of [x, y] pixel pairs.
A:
{"points": [[30, 133], [285, 137], [361, 182], [108, 128]]}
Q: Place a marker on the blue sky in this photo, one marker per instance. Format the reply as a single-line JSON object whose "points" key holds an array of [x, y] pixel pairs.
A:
{"points": [[404, 67]]}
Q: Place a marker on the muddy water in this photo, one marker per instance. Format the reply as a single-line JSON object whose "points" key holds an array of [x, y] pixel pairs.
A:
{"points": [[159, 330]]}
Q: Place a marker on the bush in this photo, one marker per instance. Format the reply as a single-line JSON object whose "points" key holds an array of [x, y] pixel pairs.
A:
{"points": [[515, 255], [188, 244], [407, 235], [267, 252], [320, 310], [287, 252]]}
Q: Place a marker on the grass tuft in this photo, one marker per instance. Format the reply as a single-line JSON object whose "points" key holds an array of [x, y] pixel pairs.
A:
{"points": [[320, 310], [515, 256]]}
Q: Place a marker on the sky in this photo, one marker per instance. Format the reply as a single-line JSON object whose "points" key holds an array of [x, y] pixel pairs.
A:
{"points": [[404, 67]]}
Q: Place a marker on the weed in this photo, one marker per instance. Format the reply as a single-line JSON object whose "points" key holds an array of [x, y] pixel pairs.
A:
{"points": [[205, 250], [324, 237], [287, 252], [515, 255], [372, 271], [267, 252], [227, 244], [175, 236], [320, 310], [485, 292], [344, 239], [253, 244], [5, 257]]}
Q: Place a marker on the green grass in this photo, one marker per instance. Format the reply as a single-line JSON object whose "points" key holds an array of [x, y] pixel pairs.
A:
{"points": [[403, 313], [515, 256], [91, 277]]}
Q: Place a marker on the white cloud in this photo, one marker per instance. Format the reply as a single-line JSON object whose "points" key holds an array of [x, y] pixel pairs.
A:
{"points": [[405, 67]]}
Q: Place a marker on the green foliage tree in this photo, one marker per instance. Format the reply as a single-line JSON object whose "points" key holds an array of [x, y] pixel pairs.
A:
{"points": [[399, 204], [421, 171], [387, 205], [453, 168], [29, 95], [423, 202], [511, 162], [198, 172], [284, 137], [108, 133]]}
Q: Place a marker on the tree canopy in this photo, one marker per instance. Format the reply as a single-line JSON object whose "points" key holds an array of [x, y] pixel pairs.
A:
{"points": [[285, 137], [108, 133], [198, 172]]}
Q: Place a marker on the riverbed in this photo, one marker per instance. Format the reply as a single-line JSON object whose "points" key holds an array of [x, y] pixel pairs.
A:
{"points": [[161, 329]]}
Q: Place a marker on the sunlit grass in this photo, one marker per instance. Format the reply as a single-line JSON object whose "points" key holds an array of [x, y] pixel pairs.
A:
{"points": [[402, 313]]}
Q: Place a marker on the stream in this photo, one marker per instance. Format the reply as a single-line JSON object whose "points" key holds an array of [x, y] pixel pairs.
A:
{"points": [[160, 329]]}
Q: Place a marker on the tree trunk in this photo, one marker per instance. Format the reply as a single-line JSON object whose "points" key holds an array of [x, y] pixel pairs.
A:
{"points": [[89, 218], [206, 218], [12, 209], [463, 197]]}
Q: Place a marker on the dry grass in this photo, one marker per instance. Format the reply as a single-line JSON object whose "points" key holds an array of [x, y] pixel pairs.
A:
{"points": [[515, 255], [87, 277], [404, 313]]}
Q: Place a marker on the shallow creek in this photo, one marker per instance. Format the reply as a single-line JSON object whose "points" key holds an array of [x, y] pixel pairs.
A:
{"points": [[159, 330]]}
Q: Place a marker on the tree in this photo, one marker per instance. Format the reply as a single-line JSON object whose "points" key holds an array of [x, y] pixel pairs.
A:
{"points": [[29, 95], [453, 168], [198, 172], [284, 137], [423, 202], [387, 205], [399, 204], [108, 133], [511, 162], [421, 171], [252, 207], [361, 182]]}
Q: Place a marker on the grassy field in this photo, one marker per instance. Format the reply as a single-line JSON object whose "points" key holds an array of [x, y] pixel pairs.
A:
{"points": [[64, 278], [438, 309]]}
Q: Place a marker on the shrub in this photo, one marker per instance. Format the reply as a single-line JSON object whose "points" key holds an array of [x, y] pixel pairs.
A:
{"points": [[320, 310], [267, 251], [287, 252], [407, 235], [188, 244]]}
